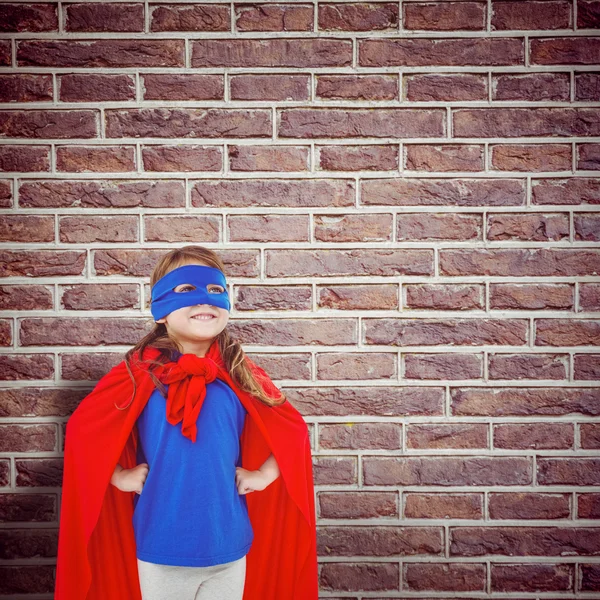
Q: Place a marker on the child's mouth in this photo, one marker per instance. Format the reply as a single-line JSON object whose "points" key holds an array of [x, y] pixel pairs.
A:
{"points": [[203, 317]]}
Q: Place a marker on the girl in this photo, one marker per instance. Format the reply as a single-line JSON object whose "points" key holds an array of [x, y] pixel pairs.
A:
{"points": [[210, 465]]}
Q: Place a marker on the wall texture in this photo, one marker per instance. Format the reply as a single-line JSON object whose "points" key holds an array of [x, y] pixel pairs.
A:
{"points": [[405, 195]]}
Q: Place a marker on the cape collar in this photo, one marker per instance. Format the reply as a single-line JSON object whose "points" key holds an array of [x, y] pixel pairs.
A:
{"points": [[186, 378]]}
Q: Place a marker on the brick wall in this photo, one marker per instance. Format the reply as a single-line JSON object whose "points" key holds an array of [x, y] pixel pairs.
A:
{"points": [[405, 195]]}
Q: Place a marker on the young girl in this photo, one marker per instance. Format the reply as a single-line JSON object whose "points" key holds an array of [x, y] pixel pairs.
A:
{"points": [[210, 465]]}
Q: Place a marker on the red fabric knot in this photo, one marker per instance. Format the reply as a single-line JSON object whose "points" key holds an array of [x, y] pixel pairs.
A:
{"points": [[187, 379]]}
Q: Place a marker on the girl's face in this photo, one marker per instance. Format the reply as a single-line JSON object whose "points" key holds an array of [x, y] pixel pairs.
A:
{"points": [[197, 323]]}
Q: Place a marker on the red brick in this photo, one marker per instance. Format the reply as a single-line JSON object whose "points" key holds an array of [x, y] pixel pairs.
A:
{"points": [[274, 17], [272, 52], [42, 263], [418, 52], [140, 262], [270, 87], [532, 577], [517, 262], [577, 190], [357, 87], [526, 122], [445, 16], [445, 87], [588, 14], [379, 541], [443, 296], [353, 228], [530, 157], [269, 158], [101, 53], [447, 471], [589, 296], [568, 471], [369, 576], [382, 401], [586, 84], [357, 505], [527, 15], [277, 297], [5, 52], [531, 87], [273, 192], [588, 156], [187, 122], [458, 577], [67, 331], [524, 541], [99, 296], [399, 191], [91, 87], [98, 228], [173, 86], [193, 17], [588, 506], [176, 228], [444, 157], [360, 436], [16, 367], [433, 332], [26, 297], [362, 297], [586, 366], [525, 401], [95, 159], [332, 470], [528, 366], [357, 158], [27, 228], [58, 124], [34, 17], [360, 122], [274, 228], [452, 365], [101, 194], [182, 158], [358, 16], [26, 87], [443, 506], [540, 436], [28, 438], [440, 226], [559, 51], [528, 505], [24, 158], [452, 435], [567, 332], [590, 435], [586, 227], [104, 16], [535, 296], [295, 263]]}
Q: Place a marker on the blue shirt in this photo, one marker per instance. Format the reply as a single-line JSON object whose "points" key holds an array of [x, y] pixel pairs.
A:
{"points": [[190, 512]]}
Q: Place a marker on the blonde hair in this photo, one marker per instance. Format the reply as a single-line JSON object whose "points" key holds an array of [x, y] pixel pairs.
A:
{"points": [[234, 357]]}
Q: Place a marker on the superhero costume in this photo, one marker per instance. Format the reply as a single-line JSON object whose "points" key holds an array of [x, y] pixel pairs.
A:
{"points": [[96, 549]]}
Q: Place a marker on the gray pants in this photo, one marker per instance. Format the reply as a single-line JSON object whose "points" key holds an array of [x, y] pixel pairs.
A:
{"points": [[218, 582]]}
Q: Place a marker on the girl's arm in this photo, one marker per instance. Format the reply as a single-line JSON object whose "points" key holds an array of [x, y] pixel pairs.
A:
{"points": [[115, 476], [270, 469]]}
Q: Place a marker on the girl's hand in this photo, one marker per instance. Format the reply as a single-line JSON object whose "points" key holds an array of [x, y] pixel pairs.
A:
{"points": [[132, 480], [250, 481]]}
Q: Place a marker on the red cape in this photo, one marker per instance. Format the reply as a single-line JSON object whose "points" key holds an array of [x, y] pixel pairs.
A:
{"points": [[96, 545]]}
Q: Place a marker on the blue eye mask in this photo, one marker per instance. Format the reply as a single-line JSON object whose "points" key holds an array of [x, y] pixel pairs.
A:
{"points": [[165, 300]]}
